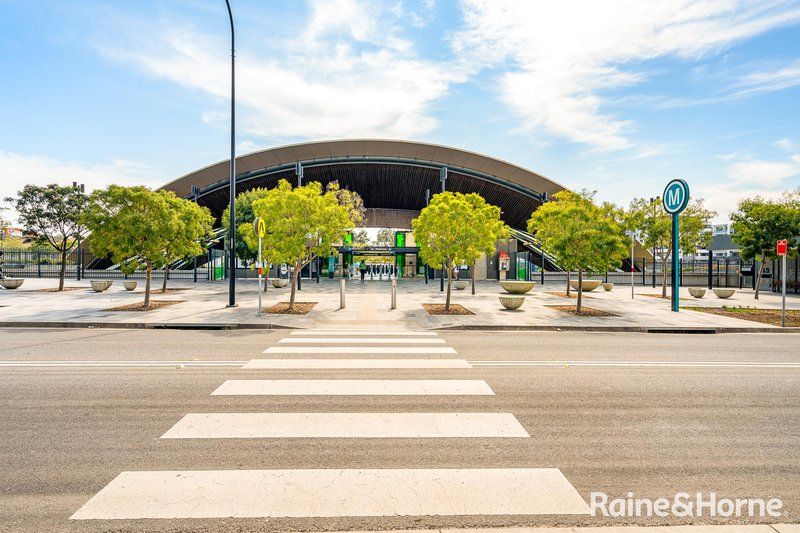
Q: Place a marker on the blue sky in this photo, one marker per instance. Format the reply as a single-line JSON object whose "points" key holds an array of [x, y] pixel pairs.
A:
{"points": [[613, 96]]}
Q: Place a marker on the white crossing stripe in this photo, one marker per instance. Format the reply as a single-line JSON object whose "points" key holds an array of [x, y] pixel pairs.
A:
{"points": [[371, 332], [345, 425], [300, 364], [334, 493], [359, 349], [656, 364], [366, 340], [353, 387], [118, 363]]}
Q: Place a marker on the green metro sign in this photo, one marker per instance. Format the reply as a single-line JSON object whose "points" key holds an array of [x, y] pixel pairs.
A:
{"points": [[676, 196]]}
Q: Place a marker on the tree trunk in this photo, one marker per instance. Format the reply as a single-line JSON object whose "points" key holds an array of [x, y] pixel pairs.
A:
{"points": [[568, 287], [166, 277], [63, 272], [449, 277], [148, 277], [295, 274], [472, 271], [758, 280], [580, 291]]}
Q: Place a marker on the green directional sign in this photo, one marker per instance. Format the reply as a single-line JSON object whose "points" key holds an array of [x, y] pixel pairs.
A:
{"points": [[676, 196]]}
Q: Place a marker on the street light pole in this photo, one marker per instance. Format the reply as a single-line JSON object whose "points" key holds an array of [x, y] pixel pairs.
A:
{"points": [[232, 225], [653, 202], [80, 188]]}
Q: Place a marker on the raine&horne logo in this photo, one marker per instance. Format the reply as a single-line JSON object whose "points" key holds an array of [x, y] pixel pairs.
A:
{"points": [[684, 505]]}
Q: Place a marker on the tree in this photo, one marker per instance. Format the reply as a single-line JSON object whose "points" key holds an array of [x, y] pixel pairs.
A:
{"points": [[656, 229], [360, 238], [485, 228], [136, 226], [758, 224], [51, 214], [579, 234], [302, 223], [445, 232], [190, 224], [385, 237], [244, 219], [4, 223]]}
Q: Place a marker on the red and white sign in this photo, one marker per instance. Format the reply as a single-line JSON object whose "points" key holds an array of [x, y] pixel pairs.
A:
{"points": [[782, 247]]}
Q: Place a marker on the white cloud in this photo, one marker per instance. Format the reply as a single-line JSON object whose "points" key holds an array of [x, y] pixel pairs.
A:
{"points": [[18, 170], [563, 55], [348, 74], [768, 174], [770, 80]]}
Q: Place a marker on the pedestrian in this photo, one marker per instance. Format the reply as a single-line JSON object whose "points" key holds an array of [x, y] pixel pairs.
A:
{"points": [[363, 269], [455, 272]]}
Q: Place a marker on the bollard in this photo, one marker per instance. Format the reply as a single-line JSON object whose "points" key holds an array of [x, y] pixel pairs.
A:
{"points": [[394, 294], [341, 294]]}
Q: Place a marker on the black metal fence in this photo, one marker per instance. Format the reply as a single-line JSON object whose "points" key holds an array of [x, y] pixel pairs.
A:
{"points": [[81, 264]]}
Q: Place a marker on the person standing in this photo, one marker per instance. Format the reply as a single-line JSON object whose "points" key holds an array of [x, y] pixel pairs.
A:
{"points": [[363, 269]]}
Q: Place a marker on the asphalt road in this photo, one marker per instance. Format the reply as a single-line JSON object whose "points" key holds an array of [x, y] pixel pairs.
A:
{"points": [[67, 431]]}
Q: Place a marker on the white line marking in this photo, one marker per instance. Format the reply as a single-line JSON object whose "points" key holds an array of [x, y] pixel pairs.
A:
{"points": [[353, 387], [334, 493], [368, 340], [337, 332], [345, 425], [658, 364], [358, 349], [118, 363], [299, 364]]}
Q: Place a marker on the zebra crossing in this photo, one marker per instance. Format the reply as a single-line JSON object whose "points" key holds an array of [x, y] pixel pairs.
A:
{"points": [[353, 492]]}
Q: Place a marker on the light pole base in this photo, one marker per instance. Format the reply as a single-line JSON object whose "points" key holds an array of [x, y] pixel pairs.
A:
{"points": [[231, 305]]}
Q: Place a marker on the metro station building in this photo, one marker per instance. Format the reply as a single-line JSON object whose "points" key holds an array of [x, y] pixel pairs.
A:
{"points": [[395, 180]]}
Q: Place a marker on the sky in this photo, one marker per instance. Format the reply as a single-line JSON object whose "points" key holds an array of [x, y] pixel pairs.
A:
{"points": [[613, 96]]}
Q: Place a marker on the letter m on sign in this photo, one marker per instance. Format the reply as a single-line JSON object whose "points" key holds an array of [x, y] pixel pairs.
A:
{"points": [[675, 196]]}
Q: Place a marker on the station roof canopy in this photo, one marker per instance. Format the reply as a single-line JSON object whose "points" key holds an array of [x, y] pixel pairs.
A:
{"points": [[388, 174]]}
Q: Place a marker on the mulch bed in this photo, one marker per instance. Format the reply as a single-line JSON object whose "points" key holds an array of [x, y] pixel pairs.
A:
{"points": [[657, 296], [139, 306], [56, 289], [585, 311], [158, 291], [573, 295], [282, 308], [764, 316], [455, 309]]}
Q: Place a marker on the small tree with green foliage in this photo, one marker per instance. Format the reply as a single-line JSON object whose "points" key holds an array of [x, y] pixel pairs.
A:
{"points": [[485, 228], [385, 237], [51, 215], [656, 229], [244, 219], [191, 223], [579, 234], [302, 223], [445, 234], [758, 224]]}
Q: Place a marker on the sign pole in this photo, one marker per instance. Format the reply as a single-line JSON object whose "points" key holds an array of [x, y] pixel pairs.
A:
{"points": [[260, 279], [676, 198], [783, 291], [676, 264]]}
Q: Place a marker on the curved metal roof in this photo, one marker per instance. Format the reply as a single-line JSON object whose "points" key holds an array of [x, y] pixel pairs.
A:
{"points": [[388, 174]]}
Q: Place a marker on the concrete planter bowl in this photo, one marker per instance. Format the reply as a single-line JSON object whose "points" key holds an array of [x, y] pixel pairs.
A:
{"points": [[517, 287], [11, 283], [697, 293], [588, 284], [129, 285], [608, 287], [460, 284], [724, 293], [279, 283], [512, 301], [101, 285]]}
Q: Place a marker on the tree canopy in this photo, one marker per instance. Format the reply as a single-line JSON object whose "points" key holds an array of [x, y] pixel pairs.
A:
{"points": [[758, 224], [581, 235], [244, 249], [138, 227], [455, 229], [51, 214], [191, 224], [302, 223]]}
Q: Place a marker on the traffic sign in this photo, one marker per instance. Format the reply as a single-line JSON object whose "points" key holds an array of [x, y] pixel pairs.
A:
{"points": [[260, 226], [782, 247], [676, 196]]}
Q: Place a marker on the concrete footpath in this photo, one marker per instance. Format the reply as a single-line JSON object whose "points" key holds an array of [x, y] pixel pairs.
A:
{"points": [[772, 528], [203, 305]]}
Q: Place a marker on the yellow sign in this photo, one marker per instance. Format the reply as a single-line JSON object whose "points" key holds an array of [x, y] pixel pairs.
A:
{"points": [[261, 227]]}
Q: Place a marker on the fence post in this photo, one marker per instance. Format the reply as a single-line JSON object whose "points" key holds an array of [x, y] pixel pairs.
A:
{"points": [[39, 263]]}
